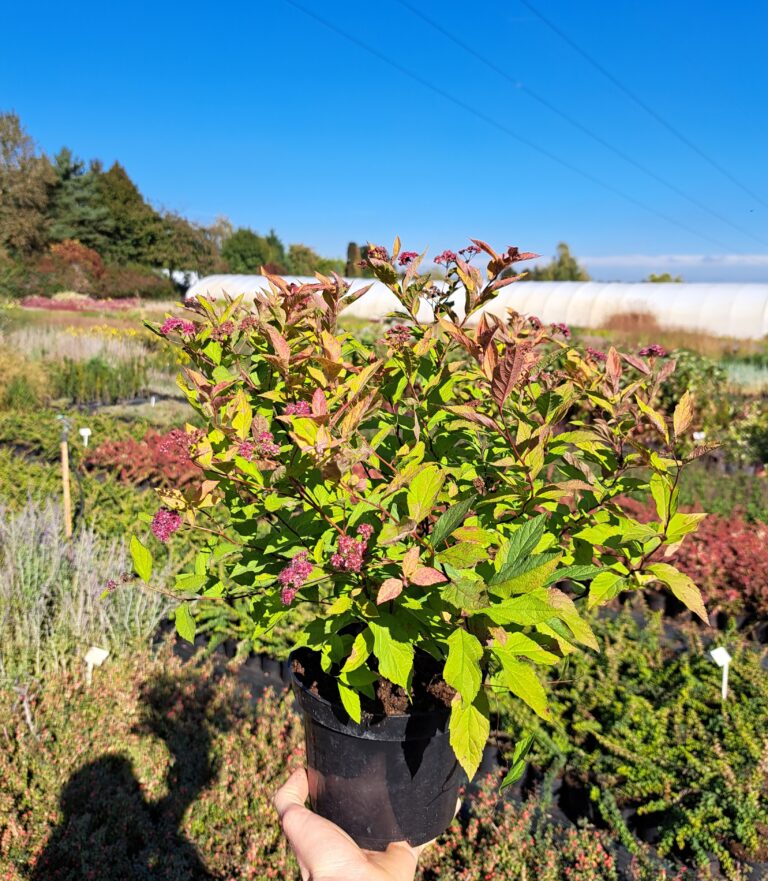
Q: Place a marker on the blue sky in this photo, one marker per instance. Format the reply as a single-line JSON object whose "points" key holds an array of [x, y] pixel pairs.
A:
{"points": [[258, 112]]}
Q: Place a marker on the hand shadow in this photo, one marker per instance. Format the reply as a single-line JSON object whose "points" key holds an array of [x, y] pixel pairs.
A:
{"points": [[109, 830]]}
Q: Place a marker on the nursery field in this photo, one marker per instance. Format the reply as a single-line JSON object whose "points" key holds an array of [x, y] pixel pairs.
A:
{"points": [[160, 764]]}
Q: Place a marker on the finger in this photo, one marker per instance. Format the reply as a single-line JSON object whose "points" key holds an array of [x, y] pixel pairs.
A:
{"points": [[294, 791]]}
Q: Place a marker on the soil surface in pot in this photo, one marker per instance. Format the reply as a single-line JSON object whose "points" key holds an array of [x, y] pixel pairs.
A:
{"points": [[430, 691]]}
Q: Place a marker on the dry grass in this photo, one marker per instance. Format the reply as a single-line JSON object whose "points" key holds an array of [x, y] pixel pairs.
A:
{"points": [[634, 330]]}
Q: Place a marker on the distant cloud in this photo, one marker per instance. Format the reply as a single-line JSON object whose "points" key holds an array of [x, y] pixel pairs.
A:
{"points": [[682, 261]]}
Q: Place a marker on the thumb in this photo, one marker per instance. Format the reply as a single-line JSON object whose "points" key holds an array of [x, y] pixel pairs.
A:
{"points": [[293, 793]]}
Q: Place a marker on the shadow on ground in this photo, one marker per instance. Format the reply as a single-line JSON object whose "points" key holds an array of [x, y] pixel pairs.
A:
{"points": [[109, 828]]}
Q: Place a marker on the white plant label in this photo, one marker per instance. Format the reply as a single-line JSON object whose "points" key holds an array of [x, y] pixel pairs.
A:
{"points": [[85, 433], [723, 659], [94, 657]]}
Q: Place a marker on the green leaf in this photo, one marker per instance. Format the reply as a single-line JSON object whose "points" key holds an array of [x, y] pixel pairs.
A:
{"points": [[565, 609], [361, 649], [604, 588], [522, 681], [530, 608], [185, 623], [466, 595], [462, 667], [393, 650], [450, 520], [525, 575], [142, 559], [681, 525], [517, 763], [524, 539], [423, 491], [520, 644], [351, 701], [682, 587], [574, 573], [464, 555], [190, 582], [469, 729], [661, 490]]}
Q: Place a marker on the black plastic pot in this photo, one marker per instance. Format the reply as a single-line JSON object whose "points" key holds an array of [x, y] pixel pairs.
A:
{"points": [[393, 778]]}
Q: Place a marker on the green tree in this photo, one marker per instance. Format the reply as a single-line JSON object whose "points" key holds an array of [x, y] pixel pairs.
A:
{"points": [[78, 209], [183, 247], [26, 181], [664, 278], [246, 251], [138, 229], [302, 260], [354, 258], [563, 267]]}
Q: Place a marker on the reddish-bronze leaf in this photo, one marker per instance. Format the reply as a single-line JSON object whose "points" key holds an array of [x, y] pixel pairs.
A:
{"points": [[389, 590], [426, 576], [637, 363], [508, 371]]}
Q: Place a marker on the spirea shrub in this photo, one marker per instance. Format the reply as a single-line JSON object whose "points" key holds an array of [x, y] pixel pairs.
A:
{"points": [[432, 493]]}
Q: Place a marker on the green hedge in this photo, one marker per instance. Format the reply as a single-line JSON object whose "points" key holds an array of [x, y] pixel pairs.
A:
{"points": [[641, 733]]}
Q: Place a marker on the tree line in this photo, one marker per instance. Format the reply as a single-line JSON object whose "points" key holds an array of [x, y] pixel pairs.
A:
{"points": [[64, 220]]}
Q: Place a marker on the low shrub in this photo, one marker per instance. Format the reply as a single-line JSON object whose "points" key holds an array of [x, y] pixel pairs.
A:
{"points": [[727, 558], [705, 488], [96, 381], [648, 747], [157, 460], [166, 770], [132, 281], [23, 384]]}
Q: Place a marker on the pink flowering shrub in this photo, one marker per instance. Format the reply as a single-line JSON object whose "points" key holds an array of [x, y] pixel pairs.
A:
{"points": [[432, 494]]}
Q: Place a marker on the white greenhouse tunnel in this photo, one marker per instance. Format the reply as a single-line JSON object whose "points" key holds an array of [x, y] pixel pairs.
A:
{"points": [[733, 310]]}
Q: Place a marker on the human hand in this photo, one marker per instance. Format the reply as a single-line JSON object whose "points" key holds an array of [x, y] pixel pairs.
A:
{"points": [[326, 853]]}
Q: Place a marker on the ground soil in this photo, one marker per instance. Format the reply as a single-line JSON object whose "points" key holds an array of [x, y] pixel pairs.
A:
{"points": [[429, 690]]}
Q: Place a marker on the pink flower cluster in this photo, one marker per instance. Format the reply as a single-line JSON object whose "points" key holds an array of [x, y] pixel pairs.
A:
{"points": [[469, 252], [446, 257], [249, 322], [178, 442], [185, 328], [377, 252], [263, 447], [165, 523], [349, 557], [298, 408], [407, 257], [563, 329], [535, 322], [224, 330], [294, 576], [398, 336], [596, 354], [654, 349]]}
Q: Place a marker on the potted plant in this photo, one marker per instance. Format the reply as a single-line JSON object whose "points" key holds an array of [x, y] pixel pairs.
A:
{"points": [[444, 503]]}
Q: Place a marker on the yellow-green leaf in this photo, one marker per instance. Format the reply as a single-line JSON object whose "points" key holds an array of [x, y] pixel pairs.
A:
{"points": [[462, 667], [142, 559], [683, 414], [423, 492], [351, 701], [682, 587], [469, 729]]}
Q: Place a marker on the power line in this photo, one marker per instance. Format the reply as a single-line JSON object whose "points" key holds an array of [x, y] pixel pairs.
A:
{"points": [[575, 122], [646, 107], [494, 123]]}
